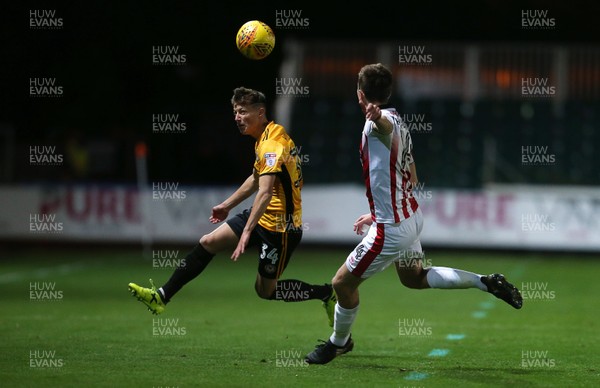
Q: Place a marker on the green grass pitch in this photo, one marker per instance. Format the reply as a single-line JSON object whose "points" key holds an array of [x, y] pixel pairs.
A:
{"points": [[87, 331]]}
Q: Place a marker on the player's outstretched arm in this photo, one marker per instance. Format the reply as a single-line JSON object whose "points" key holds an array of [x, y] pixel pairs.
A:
{"points": [[373, 112], [262, 200], [221, 211]]}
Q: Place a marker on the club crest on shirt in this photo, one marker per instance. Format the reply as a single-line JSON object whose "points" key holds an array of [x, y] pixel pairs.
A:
{"points": [[270, 158], [360, 251]]}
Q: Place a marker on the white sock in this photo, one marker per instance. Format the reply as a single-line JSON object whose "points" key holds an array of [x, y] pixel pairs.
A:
{"points": [[344, 318], [444, 277]]}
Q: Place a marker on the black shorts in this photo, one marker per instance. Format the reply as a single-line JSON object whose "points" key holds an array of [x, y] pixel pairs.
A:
{"points": [[274, 248]]}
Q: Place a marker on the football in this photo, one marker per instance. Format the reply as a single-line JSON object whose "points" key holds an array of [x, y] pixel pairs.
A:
{"points": [[255, 40]]}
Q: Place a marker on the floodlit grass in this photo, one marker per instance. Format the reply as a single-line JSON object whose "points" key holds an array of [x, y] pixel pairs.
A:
{"points": [[217, 333]]}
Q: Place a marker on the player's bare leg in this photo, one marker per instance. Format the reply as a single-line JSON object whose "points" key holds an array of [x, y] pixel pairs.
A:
{"points": [[219, 239], [413, 275], [346, 286]]}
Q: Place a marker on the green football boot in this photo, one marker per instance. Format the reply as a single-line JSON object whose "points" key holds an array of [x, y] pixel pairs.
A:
{"points": [[148, 296]]}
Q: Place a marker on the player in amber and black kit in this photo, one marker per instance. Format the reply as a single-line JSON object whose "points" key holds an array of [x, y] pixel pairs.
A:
{"points": [[273, 223]]}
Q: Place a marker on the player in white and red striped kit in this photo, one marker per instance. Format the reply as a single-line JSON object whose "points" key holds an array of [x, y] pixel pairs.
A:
{"points": [[395, 219]]}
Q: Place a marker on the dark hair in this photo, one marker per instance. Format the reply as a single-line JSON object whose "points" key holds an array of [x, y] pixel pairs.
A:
{"points": [[245, 96], [375, 80]]}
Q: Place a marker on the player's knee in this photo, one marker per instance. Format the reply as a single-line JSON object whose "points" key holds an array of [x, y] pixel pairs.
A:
{"points": [[412, 280], [342, 287], [337, 283], [207, 241]]}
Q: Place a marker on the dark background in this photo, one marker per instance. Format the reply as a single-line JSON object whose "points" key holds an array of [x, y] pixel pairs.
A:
{"points": [[102, 58]]}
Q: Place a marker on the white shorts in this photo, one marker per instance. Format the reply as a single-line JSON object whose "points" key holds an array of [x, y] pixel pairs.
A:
{"points": [[384, 244]]}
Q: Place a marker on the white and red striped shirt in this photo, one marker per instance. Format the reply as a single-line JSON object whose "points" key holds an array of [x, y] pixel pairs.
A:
{"points": [[385, 162]]}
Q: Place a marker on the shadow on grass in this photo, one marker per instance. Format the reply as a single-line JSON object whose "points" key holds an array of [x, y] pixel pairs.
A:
{"points": [[526, 377], [521, 377], [370, 362]]}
